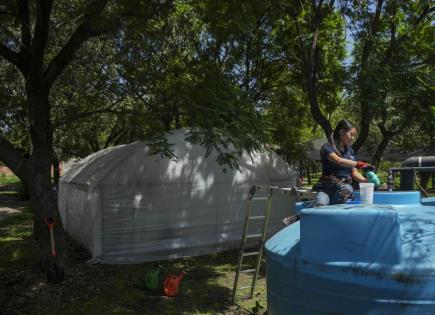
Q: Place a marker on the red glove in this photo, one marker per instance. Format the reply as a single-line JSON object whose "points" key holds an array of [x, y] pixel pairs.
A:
{"points": [[361, 164]]}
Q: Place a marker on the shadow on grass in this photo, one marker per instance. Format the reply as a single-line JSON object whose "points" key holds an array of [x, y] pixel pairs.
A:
{"points": [[17, 248], [105, 289], [108, 289]]}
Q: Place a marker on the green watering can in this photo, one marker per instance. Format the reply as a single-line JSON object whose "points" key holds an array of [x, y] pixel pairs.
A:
{"points": [[370, 174], [373, 178], [152, 279]]}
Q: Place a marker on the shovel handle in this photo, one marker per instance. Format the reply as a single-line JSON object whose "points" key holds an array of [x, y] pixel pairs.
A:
{"points": [[50, 222], [53, 249]]}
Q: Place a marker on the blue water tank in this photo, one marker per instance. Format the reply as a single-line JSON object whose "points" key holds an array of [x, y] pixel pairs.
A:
{"points": [[355, 259], [394, 198]]}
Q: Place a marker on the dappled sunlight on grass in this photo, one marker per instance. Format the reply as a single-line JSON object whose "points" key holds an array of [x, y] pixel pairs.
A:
{"points": [[17, 248], [8, 179], [111, 289]]}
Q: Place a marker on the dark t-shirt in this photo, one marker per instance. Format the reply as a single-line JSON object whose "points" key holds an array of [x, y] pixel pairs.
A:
{"points": [[330, 168]]}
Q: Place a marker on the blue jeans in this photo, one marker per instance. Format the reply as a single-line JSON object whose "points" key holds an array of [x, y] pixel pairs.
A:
{"points": [[332, 194]]}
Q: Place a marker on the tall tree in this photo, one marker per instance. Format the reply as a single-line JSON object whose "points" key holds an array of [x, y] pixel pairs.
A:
{"points": [[313, 41], [390, 55], [31, 42], [151, 82]]}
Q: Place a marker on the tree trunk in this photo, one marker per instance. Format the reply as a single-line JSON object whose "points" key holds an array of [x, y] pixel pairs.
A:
{"points": [[315, 108], [44, 206], [363, 80], [386, 138], [38, 177], [31, 60], [301, 168], [313, 167], [177, 118], [311, 61], [307, 167], [56, 172], [364, 129]]}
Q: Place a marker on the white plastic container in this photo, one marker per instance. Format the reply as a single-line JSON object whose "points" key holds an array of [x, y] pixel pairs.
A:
{"points": [[366, 192]]}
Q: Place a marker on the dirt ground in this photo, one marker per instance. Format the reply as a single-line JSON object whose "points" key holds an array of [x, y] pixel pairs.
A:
{"points": [[10, 205]]}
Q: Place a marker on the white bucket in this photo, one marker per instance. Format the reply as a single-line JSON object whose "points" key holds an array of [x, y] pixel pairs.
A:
{"points": [[366, 192]]}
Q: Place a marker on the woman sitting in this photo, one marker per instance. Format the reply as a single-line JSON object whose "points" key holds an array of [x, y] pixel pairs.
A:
{"points": [[339, 167]]}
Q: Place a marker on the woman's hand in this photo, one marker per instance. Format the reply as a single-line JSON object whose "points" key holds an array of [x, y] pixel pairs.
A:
{"points": [[361, 164], [358, 177]]}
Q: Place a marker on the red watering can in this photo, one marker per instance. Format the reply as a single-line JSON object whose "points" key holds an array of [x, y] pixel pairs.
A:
{"points": [[172, 284]]}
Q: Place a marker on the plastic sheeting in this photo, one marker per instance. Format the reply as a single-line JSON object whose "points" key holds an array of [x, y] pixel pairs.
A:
{"points": [[127, 206]]}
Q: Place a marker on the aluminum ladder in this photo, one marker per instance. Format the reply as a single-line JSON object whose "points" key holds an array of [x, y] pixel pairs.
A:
{"points": [[261, 238]]}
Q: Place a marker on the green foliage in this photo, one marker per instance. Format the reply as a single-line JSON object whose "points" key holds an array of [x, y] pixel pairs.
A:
{"points": [[156, 77], [234, 73], [391, 83]]}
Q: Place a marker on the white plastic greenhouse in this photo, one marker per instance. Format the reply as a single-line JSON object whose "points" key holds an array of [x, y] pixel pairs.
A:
{"points": [[126, 206]]}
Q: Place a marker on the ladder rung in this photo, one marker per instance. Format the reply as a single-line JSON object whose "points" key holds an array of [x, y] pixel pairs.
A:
{"points": [[266, 188], [245, 287], [260, 198], [250, 254], [248, 270], [254, 235], [257, 217]]}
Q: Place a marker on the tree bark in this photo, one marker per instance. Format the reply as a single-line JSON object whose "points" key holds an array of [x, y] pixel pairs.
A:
{"points": [[35, 171], [42, 196], [381, 149], [311, 60], [56, 172], [44, 205], [363, 84], [387, 135], [313, 167], [307, 167]]}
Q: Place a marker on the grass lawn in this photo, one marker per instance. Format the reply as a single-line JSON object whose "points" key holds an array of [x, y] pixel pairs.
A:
{"points": [[112, 289], [11, 185], [8, 179]]}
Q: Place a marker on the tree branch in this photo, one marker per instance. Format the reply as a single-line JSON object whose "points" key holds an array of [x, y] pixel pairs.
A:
{"points": [[14, 58], [406, 122], [12, 157], [83, 32], [315, 26], [23, 11], [4, 12], [428, 10], [113, 136], [393, 42], [71, 119], [366, 115], [312, 71], [43, 12]]}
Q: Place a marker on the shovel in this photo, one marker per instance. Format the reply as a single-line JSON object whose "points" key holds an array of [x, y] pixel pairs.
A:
{"points": [[55, 273]]}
